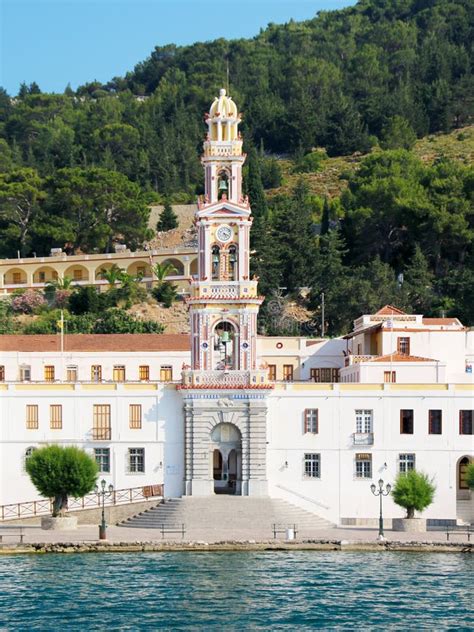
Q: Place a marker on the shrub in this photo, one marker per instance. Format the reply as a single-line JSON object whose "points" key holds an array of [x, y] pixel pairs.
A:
{"points": [[28, 302], [413, 490], [311, 162], [117, 321], [84, 299], [59, 472]]}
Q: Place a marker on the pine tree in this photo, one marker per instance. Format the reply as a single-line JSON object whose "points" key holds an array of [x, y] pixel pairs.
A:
{"points": [[325, 217], [168, 218], [418, 283], [254, 188]]}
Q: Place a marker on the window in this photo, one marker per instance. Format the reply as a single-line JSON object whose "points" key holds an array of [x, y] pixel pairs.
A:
{"points": [[144, 372], [25, 373], [136, 459], [135, 415], [406, 462], [359, 349], [42, 277], [16, 278], [101, 422], [288, 372], [406, 422], [71, 373], [49, 373], [32, 416], [465, 422], [311, 420], [2, 373], [312, 465], [324, 375], [403, 346], [119, 373], [364, 421], [272, 372], [463, 465], [435, 424], [56, 416], [389, 376], [102, 458], [77, 275], [166, 373], [28, 452], [141, 271], [363, 465], [96, 373]]}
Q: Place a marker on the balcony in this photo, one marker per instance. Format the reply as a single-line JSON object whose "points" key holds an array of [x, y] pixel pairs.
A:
{"points": [[225, 379], [357, 359], [363, 438], [101, 434]]}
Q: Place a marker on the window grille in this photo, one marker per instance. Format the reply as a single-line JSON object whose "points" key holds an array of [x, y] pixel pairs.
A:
{"points": [[312, 465], [136, 460], [363, 466], [311, 420]]}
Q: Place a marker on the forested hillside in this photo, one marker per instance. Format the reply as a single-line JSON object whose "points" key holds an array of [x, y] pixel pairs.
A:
{"points": [[78, 170]]}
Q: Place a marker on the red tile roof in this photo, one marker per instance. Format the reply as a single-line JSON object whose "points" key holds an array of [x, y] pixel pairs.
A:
{"points": [[97, 342], [400, 357], [389, 310], [441, 321]]}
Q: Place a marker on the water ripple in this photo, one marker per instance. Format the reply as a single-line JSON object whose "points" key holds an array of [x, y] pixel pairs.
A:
{"points": [[303, 590]]}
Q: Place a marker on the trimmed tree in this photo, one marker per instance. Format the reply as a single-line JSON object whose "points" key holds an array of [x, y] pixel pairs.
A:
{"points": [[470, 476], [59, 472], [413, 491]]}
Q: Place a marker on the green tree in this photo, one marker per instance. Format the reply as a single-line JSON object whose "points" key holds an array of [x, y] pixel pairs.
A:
{"points": [[59, 472], [414, 491], [168, 218], [118, 321], [398, 134], [84, 299], [21, 194], [258, 203], [418, 283]]}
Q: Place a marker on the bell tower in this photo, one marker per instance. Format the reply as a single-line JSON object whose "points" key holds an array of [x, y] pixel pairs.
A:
{"points": [[224, 391], [224, 303]]}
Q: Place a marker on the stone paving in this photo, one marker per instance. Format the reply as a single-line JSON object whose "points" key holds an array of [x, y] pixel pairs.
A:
{"points": [[89, 534]]}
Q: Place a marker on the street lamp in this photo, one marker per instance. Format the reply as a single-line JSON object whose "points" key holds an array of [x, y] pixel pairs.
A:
{"points": [[380, 492], [103, 493]]}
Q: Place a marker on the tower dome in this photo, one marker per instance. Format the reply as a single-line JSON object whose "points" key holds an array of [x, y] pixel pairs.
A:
{"points": [[223, 106]]}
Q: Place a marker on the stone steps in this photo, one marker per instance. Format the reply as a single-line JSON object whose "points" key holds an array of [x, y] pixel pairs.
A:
{"points": [[228, 516]]}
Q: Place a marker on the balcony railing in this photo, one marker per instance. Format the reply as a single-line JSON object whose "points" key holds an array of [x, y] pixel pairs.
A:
{"points": [[357, 359], [226, 379], [91, 501], [363, 438]]}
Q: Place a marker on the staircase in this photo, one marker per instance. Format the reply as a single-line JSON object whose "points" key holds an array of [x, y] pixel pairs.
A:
{"points": [[217, 518]]}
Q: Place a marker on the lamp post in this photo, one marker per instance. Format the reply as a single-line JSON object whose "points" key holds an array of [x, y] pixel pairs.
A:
{"points": [[102, 493], [380, 492]]}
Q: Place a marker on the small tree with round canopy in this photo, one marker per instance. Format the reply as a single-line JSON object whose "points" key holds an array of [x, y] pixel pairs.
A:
{"points": [[414, 491], [59, 472]]}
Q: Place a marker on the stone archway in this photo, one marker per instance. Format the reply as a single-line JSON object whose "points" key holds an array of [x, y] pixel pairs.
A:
{"points": [[226, 454]]}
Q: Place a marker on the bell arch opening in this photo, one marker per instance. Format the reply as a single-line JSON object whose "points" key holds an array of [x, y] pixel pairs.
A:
{"points": [[225, 346]]}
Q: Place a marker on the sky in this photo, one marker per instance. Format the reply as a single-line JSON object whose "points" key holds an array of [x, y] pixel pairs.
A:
{"points": [[56, 42]]}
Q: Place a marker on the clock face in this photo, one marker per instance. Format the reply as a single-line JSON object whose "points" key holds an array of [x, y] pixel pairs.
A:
{"points": [[224, 233]]}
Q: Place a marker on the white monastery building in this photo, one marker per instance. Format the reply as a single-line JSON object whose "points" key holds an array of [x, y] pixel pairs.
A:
{"points": [[312, 421]]}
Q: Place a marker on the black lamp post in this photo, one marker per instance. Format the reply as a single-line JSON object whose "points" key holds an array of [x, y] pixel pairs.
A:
{"points": [[102, 493], [380, 492]]}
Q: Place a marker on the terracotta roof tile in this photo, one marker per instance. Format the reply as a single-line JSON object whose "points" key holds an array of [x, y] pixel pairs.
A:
{"points": [[400, 357], [97, 342], [389, 310], [441, 321]]}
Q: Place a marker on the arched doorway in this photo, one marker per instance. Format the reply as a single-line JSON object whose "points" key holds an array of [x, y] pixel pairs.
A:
{"points": [[225, 346], [226, 453], [463, 492]]}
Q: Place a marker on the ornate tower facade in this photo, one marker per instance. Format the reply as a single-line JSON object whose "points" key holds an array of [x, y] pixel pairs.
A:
{"points": [[224, 303], [224, 391]]}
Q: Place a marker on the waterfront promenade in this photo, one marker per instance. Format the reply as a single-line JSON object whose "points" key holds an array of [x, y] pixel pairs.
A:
{"points": [[116, 536]]}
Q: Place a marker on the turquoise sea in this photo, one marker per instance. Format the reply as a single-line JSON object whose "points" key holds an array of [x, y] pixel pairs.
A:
{"points": [[301, 590]]}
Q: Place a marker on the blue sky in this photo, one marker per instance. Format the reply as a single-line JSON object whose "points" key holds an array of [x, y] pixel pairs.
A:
{"points": [[56, 42]]}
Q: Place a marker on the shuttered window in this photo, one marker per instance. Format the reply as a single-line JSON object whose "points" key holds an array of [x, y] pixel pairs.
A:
{"points": [[96, 373], [325, 375], [101, 429], [135, 415], [166, 373], [49, 373], [32, 417], [272, 372], [144, 372], [119, 373], [55, 416], [288, 372]]}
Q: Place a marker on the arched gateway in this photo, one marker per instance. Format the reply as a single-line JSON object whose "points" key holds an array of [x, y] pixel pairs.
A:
{"points": [[224, 391]]}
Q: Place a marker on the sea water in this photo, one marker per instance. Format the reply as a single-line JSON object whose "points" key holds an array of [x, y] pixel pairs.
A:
{"points": [[301, 590]]}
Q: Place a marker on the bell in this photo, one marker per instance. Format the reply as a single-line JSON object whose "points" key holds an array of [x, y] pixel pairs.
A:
{"points": [[222, 185], [225, 336]]}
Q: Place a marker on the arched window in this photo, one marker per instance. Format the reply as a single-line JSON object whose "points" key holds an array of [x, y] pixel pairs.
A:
{"points": [[233, 264], [215, 262], [463, 464]]}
